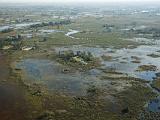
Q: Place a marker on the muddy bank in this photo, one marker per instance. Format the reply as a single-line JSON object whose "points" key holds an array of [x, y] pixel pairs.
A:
{"points": [[14, 99], [11, 97], [12, 102], [4, 67]]}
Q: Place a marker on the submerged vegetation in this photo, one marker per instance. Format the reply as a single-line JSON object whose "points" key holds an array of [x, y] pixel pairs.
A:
{"points": [[69, 62]]}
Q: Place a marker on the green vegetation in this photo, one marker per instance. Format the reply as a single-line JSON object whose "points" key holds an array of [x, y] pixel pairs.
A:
{"points": [[154, 55], [134, 99], [147, 68], [107, 58], [13, 41], [59, 23], [156, 84], [78, 60], [108, 94]]}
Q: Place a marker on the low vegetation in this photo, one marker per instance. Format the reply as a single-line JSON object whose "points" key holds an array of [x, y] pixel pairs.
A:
{"points": [[147, 68], [78, 60], [156, 84], [110, 91], [154, 55]]}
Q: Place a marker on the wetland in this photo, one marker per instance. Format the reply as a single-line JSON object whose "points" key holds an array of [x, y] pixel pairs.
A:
{"points": [[74, 62]]}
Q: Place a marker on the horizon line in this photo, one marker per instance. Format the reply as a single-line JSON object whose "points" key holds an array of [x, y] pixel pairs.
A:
{"points": [[113, 1]]}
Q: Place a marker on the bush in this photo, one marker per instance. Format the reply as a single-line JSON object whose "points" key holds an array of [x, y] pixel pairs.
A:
{"points": [[68, 55]]}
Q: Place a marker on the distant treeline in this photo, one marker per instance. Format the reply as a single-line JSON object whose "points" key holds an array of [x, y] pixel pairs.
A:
{"points": [[59, 23], [108, 26], [154, 31]]}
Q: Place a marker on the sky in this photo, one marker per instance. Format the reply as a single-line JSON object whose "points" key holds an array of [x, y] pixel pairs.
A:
{"points": [[67, 1]]}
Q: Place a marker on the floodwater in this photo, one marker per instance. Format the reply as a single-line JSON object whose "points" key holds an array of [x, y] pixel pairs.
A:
{"points": [[154, 105], [72, 32], [74, 83], [122, 59], [24, 25], [49, 31], [18, 26], [50, 73], [4, 28]]}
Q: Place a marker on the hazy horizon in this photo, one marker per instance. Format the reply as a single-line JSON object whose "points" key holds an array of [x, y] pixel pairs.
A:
{"points": [[76, 1]]}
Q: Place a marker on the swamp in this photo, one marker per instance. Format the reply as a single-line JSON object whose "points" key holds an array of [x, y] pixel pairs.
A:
{"points": [[70, 61]]}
